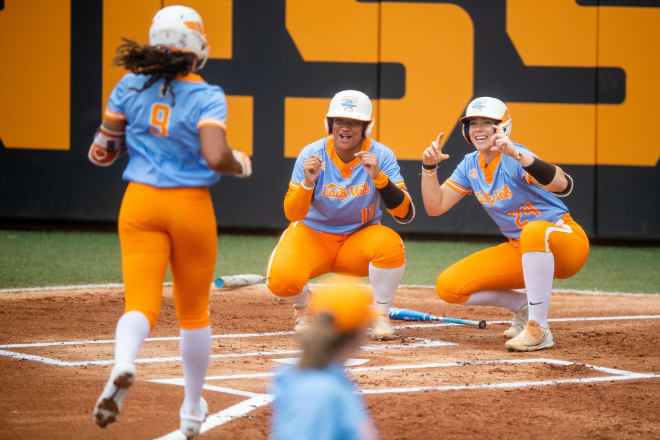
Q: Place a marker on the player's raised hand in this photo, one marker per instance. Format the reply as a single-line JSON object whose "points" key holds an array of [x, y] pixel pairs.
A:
{"points": [[370, 163], [433, 153], [312, 168], [501, 142]]}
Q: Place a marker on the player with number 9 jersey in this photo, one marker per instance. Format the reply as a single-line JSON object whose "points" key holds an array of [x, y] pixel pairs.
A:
{"points": [[172, 124], [333, 203]]}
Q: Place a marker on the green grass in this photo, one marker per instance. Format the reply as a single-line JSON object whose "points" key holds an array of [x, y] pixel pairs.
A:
{"points": [[54, 258]]}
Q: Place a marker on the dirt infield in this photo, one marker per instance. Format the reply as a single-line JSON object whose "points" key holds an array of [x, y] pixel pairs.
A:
{"points": [[600, 381]]}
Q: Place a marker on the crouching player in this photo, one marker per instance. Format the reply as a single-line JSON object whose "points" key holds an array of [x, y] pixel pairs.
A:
{"points": [[333, 204], [519, 191]]}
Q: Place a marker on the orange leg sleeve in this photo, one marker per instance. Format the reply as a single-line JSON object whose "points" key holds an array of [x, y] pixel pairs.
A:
{"points": [[494, 268], [377, 244], [145, 251], [157, 226], [567, 242], [193, 229], [301, 254]]}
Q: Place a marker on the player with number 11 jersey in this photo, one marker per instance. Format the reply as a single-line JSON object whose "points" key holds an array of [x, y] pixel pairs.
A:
{"points": [[333, 205]]}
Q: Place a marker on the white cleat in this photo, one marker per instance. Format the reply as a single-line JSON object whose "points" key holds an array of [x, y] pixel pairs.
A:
{"points": [[532, 338], [301, 320], [191, 424], [111, 399], [518, 323], [382, 330]]}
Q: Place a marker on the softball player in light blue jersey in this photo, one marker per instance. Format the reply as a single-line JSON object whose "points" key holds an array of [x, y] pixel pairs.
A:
{"points": [[316, 400], [353, 192], [333, 203], [519, 191], [164, 144], [505, 191], [172, 124]]}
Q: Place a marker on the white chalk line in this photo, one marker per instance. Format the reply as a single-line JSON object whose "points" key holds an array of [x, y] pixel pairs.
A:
{"points": [[578, 291], [220, 418], [403, 286], [285, 333], [614, 371], [424, 343], [258, 400]]}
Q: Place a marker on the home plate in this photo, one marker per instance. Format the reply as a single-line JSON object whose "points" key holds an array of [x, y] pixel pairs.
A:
{"points": [[349, 362]]}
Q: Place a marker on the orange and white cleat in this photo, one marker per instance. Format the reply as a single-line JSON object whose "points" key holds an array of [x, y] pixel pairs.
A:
{"points": [[301, 320], [532, 338], [382, 330]]}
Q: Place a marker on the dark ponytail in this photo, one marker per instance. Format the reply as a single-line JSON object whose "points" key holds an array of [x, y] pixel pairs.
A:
{"points": [[154, 61]]}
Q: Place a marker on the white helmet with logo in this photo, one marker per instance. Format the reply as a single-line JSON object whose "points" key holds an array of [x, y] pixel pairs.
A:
{"points": [[180, 28], [350, 104], [487, 107]]}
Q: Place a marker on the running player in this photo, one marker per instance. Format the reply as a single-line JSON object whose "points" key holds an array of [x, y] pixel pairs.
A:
{"points": [[316, 399], [333, 204], [519, 191], [172, 124]]}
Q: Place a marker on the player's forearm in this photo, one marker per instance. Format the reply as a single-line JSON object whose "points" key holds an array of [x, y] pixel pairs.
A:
{"points": [[549, 176], [432, 194], [297, 201]]}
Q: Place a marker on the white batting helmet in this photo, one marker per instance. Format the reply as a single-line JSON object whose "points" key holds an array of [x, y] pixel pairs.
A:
{"points": [[350, 104], [180, 28], [487, 107]]}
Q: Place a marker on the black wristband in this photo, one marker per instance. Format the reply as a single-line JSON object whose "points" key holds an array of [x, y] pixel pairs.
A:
{"points": [[429, 167], [542, 171], [391, 195]]}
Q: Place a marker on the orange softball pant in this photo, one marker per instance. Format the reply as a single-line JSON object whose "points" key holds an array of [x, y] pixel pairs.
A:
{"points": [[500, 267], [303, 253], [161, 226]]}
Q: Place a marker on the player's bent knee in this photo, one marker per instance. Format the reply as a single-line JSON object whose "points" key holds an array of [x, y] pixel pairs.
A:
{"points": [[391, 254], [447, 290], [152, 317], [284, 287]]}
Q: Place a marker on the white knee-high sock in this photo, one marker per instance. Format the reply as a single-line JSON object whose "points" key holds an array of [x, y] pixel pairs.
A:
{"points": [[510, 299], [302, 299], [538, 271], [384, 283], [195, 351], [132, 329]]}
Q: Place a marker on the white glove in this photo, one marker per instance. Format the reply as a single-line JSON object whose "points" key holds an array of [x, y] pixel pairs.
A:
{"points": [[246, 163]]}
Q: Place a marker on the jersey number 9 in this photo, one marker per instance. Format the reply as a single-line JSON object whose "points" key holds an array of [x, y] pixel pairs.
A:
{"points": [[160, 119]]}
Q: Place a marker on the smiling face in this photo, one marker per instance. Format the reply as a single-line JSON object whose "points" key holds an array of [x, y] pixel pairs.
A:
{"points": [[347, 134], [481, 129]]}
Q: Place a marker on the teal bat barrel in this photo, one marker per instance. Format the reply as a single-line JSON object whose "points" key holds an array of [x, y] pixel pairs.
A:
{"points": [[415, 315]]}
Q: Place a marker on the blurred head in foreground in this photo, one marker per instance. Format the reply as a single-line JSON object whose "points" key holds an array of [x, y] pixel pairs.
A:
{"points": [[341, 310]]}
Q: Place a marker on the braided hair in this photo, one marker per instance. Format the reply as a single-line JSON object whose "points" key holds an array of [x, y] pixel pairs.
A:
{"points": [[159, 62]]}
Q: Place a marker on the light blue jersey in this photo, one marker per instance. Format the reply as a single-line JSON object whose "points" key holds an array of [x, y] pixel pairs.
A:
{"points": [[163, 139], [345, 198], [506, 192], [318, 405]]}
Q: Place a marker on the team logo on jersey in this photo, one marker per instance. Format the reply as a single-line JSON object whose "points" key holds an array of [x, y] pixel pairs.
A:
{"points": [[342, 192], [473, 173], [349, 103], [490, 199]]}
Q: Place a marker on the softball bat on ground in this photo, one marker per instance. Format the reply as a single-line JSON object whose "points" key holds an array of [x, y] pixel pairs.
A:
{"points": [[414, 315], [230, 281]]}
